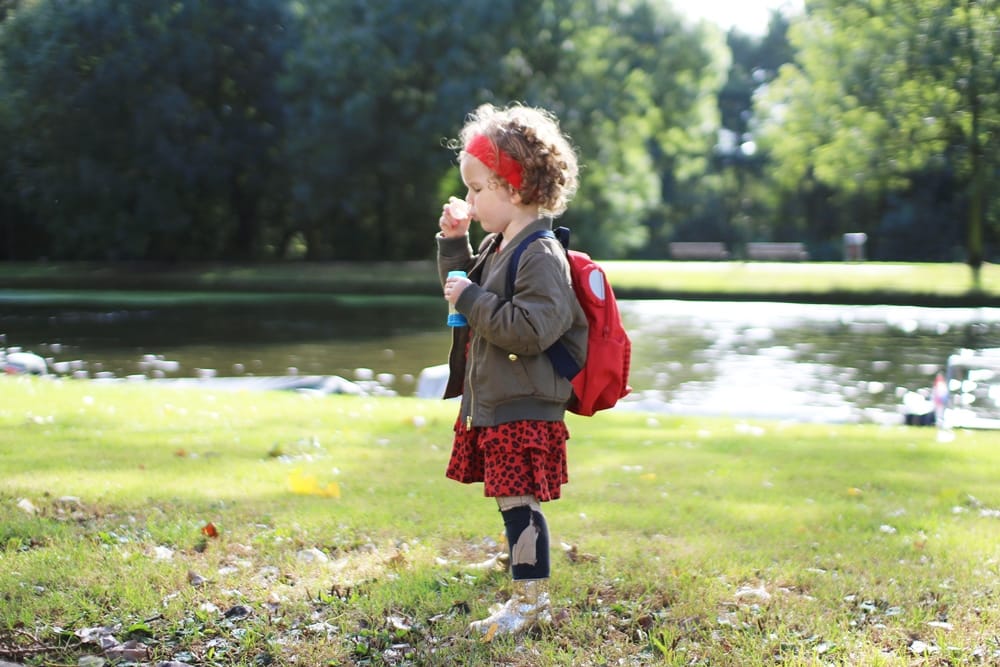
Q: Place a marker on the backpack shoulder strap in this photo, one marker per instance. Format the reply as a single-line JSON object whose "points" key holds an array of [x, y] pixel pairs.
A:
{"points": [[515, 257], [562, 233]]}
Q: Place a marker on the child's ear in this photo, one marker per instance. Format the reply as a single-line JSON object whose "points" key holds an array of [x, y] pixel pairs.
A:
{"points": [[515, 196]]}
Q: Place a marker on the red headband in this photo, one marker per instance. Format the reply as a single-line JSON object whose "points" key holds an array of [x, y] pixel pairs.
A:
{"points": [[498, 160]]}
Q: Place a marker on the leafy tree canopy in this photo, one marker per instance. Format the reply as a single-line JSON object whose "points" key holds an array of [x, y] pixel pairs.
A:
{"points": [[883, 90]]}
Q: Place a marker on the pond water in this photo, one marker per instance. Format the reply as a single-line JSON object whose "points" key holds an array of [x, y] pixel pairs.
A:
{"points": [[803, 362]]}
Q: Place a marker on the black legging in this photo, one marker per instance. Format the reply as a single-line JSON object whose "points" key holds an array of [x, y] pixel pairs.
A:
{"points": [[528, 541]]}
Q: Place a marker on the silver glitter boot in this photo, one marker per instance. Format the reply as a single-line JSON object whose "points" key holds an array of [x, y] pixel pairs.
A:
{"points": [[527, 607]]}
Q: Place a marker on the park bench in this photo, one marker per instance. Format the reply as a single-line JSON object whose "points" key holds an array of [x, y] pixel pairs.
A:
{"points": [[698, 250], [777, 251]]}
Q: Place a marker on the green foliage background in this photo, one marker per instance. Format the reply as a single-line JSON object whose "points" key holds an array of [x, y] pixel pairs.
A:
{"points": [[255, 129]]}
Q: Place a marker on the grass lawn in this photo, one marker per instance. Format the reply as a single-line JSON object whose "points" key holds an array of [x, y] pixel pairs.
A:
{"points": [[280, 528], [833, 280]]}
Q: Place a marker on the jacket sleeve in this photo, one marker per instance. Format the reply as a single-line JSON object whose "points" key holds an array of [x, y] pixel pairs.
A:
{"points": [[455, 254], [540, 310]]}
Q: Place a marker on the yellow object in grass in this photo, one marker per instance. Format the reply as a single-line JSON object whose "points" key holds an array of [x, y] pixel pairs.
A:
{"points": [[307, 485]]}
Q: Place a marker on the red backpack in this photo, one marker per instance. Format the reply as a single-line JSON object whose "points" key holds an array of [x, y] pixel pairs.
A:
{"points": [[603, 378]]}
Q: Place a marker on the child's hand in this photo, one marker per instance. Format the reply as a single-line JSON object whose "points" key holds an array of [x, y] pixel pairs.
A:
{"points": [[453, 288], [455, 218]]}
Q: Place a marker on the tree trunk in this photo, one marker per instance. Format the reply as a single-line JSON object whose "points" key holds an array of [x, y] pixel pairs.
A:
{"points": [[243, 244], [975, 250]]}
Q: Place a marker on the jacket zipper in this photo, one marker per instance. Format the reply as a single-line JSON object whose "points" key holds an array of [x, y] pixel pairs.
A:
{"points": [[472, 392], [481, 267]]}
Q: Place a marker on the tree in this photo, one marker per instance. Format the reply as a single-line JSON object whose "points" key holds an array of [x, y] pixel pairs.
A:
{"points": [[741, 200], [635, 89], [8, 7], [146, 130], [375, 89], [883, 90], [149, 130], [378, 87]]}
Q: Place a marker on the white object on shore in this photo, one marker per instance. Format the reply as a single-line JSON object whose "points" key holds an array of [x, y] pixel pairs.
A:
{"points": [[17, 363], [432, 381]]}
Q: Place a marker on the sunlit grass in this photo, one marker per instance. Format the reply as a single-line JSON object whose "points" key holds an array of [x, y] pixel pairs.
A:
{"points": [[696, 540], [945, 279]]}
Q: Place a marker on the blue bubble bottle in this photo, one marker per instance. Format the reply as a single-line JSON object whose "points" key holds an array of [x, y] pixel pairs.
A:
{"points": [[455, 318]]}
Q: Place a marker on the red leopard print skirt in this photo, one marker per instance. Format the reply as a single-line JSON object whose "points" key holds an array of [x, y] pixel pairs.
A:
{"points": [[514, 459]]}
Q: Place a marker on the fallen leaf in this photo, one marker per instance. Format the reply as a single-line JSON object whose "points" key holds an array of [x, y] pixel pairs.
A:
{"points": [[574, 555], [922, 648], [26, 505], [131, 651], [239, 549], [313, 555], [758, 593], [163, 553], [495, 562], [93, 635], [940, 624], [399, 623], [488, 637], [238, 612], [322, 628], [209, 530]]}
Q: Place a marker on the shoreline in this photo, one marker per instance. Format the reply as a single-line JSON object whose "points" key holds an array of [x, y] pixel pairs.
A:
{"points": [[869, 283]]}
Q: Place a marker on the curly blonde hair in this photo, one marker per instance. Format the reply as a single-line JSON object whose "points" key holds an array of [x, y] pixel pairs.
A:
{"points": [[533, 138]]}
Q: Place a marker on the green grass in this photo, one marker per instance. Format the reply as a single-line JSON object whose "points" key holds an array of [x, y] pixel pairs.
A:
{"points": [[816, 278], [880, 282], [697, 541]]}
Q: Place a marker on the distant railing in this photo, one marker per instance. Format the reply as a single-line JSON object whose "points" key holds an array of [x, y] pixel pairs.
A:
{"points": [[698, 250], [716, 250], [777, 251]]}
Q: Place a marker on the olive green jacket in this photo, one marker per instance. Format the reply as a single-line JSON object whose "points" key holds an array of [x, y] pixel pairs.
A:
{"points": [[498, 363]]}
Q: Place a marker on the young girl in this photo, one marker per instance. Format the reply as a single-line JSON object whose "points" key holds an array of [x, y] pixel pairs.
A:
{"points": [[520, 172]]}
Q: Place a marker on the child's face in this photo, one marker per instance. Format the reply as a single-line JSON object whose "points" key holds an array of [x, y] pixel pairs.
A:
{"points": [[492, 202]]}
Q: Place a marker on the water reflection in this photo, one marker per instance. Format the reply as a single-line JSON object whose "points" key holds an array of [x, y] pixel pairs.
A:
{"points": [[392, 336], [812, 362]]}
